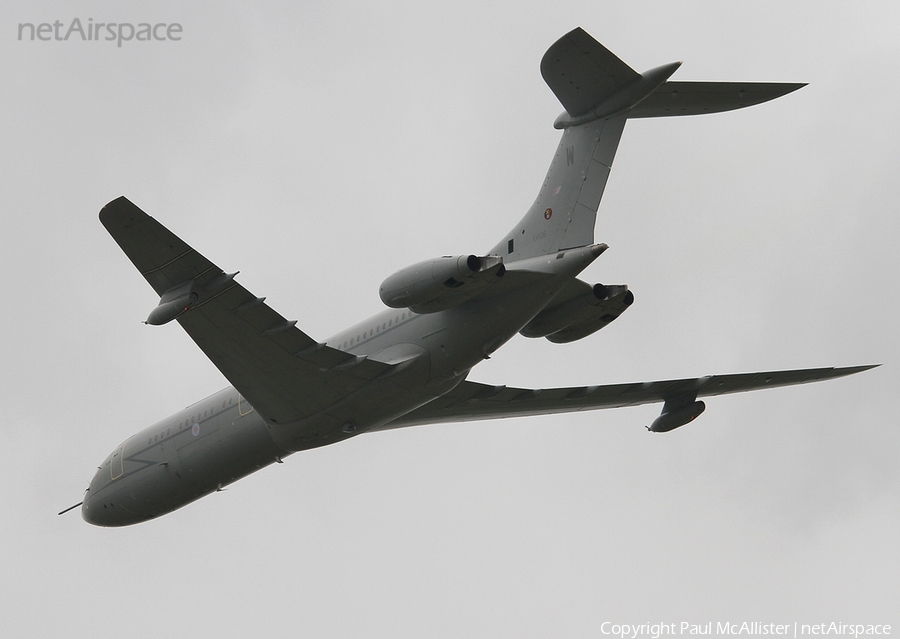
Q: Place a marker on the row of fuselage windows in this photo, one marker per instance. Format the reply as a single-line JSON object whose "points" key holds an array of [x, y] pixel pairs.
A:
{"points": [[372, 332], [185, 423]]}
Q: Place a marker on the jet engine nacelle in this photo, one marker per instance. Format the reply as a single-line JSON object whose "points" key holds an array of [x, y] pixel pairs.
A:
{"points": [[434, 285], [579, 316], [672, 419]]}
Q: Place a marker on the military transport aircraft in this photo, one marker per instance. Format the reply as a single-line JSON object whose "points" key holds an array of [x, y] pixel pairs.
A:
{"points": [[408, 365]]}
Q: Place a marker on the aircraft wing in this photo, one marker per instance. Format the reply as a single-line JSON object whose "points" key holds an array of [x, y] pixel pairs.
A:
{"points": [[471, 401], [281, 371]]}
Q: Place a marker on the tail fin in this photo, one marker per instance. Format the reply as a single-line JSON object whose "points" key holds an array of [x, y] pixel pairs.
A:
{"points": [[582, 73], [599, 93]]}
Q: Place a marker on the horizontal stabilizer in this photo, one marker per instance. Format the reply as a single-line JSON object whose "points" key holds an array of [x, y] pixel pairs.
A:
{"points": [[583, 73], [695, 98]]}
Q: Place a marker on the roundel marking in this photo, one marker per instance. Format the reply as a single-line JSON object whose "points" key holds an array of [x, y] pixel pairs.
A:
{"points": [[195, 429], [548, 214]]}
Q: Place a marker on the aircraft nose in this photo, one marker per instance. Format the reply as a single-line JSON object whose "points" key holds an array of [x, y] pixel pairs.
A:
{"points": [[92, 510], [103, 504], [106, 512], [89, 514]]}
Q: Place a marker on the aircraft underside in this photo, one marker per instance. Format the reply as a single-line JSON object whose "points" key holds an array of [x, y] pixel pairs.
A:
{"points": [[409, 364]]}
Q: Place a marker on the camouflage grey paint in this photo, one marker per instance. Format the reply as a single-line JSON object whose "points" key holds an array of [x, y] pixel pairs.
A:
{"points": [[402, 368]]}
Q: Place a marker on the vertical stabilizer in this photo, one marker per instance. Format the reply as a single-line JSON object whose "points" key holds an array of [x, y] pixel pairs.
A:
{"points": [[582, 73], [599, 93], [565, 210]]}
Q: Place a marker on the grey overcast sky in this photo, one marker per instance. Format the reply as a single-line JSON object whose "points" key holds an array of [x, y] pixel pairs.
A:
{"points": [[320, 146]]}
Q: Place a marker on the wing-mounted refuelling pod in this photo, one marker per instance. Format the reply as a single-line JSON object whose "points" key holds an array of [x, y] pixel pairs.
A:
{"points": [[579, 310], [438, 284], [184, 297], [173, 303], [676, 412]]}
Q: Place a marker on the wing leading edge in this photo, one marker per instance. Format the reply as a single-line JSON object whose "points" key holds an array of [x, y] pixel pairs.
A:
{"points": [[471, 401]]}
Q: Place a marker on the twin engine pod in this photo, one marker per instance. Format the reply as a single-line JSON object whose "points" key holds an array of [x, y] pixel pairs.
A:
{"points": [[438, 284], [578, 311]]}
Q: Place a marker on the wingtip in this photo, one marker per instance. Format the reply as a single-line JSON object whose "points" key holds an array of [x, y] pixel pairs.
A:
{"points": [[852, 370], [112, 204], [118, 201], [116, 207]]}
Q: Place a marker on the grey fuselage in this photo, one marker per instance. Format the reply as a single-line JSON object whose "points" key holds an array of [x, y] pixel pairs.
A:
{"points": [[221, 438], [386, 371]]}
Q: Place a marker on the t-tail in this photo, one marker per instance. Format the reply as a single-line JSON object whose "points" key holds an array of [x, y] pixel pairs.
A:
{"points": [[599, 93]]}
